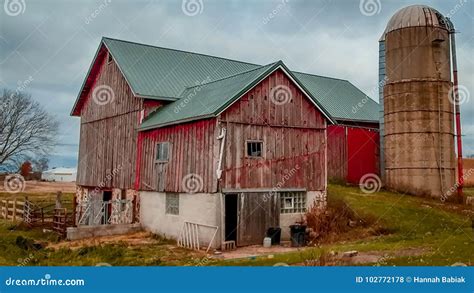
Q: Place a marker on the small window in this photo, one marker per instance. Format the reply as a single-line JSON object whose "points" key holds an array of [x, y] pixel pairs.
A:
{"points": [[254, 149], [292, 202], [172, 203], [109, 59], [162, 152]]}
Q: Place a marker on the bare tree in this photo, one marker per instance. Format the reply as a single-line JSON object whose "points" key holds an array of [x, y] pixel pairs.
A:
{"points": [[26, 129]]}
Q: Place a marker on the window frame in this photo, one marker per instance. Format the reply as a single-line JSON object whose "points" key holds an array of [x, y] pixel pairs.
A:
{"points": [[262, 152], [157, 160], [170, 207], [298, 200]]}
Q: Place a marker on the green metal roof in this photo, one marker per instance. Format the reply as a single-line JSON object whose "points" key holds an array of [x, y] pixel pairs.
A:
{"points": [[206, 100], [340, 98], [167, 74], [163, 73]]}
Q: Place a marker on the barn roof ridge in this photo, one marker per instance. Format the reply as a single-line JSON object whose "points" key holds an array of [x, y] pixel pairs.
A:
{"points": [[219, 57], [214, 97], [180, 50], [230, 76], [190, 106], [160, 73], [320, 76]]}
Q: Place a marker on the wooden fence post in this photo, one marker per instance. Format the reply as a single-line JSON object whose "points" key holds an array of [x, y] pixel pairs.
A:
{"points": [[58, 200], [26, 210], [14, 210], [5, 215], [74, 210]]}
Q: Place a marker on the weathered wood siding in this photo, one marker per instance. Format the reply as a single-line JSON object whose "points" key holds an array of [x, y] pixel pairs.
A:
{"points": [[337, 153], [192, 151], [293, 136], [257, 213], [107, 147]]}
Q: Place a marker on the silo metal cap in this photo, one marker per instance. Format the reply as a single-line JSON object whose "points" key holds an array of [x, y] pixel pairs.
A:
{"points": [[417, 15]]}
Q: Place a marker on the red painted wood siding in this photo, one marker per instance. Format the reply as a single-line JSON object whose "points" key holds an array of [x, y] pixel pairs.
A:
{"points": [[192, 150], [363, 152], [352, 153], [107, 147], [150, 106], [293, 134]]}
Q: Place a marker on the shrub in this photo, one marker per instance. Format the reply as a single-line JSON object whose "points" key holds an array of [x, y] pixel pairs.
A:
{"points": [[327, 223]]}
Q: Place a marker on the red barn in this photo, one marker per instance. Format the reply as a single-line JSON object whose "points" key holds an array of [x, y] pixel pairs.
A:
{"points": [[218, 150]]}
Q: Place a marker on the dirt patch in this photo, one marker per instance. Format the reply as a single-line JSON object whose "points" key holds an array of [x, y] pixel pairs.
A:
{"points": [[327, 259], [135, 239], [256, 250], [379, 258]]}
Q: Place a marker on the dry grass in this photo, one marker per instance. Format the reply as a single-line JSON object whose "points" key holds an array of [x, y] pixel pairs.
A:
{"points": [[338, 221], [33, 186]]}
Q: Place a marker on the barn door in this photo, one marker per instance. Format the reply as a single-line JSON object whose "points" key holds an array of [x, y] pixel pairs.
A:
{"points": [[256, 213]]}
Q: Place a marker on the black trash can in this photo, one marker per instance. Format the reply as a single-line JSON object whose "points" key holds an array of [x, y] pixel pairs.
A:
{"points": [[298, 235], [275, 234]]}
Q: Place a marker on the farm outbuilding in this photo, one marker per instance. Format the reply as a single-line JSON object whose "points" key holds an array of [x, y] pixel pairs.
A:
{"points": [[190, 143], [60, 175]]}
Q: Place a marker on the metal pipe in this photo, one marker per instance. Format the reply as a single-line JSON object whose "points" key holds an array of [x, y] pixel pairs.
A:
{"points": [[457, 112]]}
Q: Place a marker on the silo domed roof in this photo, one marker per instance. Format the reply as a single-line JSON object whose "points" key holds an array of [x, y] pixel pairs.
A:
{"points": [[416, 15]]}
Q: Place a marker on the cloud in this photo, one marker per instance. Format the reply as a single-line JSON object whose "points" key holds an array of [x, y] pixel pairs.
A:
{"points": [[55, 41]]}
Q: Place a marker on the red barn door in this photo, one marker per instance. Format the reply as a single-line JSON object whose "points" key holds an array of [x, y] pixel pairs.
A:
{"points": [[362, 153]]}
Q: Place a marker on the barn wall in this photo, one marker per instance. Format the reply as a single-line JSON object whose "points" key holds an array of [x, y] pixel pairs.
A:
{"points": [[293, 135], [337, 153], [352, 153], [192, 152], [199, 208], [107, 147]]}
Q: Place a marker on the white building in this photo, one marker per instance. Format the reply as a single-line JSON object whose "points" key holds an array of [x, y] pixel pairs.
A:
{"points": [[60, 175]]}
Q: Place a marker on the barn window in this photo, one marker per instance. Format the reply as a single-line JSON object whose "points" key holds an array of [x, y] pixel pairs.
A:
{"points": [[292, 202], [109, 59], [254, 149], [162, 152], [172, 203]]}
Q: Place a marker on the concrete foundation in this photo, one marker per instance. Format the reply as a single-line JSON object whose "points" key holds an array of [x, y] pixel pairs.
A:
{"points": [[201, 208], [204, 208]]}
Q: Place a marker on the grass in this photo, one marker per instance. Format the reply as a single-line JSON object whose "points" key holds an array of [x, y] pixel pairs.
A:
{"points": [[40, 198], [441, 233], [22, 246], [469, 191]]}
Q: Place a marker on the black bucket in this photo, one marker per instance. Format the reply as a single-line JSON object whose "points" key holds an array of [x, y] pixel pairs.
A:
{"points": [[275, 234]]}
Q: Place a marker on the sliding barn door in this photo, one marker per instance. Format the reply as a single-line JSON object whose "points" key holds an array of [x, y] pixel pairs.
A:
{"points": [[256, 213]]}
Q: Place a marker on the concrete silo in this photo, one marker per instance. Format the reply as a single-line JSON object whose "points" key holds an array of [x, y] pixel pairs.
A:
{"points": [[418, 113]]}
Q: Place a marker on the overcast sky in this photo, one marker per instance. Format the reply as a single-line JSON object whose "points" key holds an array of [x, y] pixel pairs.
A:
{"points": [[48, 45]]}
